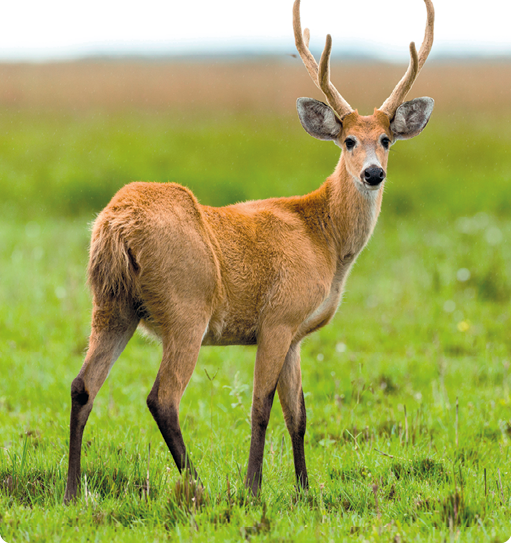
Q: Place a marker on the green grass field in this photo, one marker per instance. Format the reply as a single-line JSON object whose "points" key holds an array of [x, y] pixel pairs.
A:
{"points": [[407, 390]]}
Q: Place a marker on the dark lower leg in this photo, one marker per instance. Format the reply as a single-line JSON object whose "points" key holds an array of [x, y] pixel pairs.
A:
{"points": [[80, 410], [297, 440], [293, 406], [167, 419], [260, 417]]}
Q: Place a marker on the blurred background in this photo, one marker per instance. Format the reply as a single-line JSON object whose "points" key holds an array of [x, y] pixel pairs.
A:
{"points": [[94, 96]]}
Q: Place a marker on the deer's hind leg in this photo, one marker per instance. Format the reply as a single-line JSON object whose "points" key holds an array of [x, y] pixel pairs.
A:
{"points": [[113, 324], [181, 345]]}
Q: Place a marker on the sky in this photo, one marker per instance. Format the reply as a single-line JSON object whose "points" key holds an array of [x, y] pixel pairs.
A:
{"points": [[65, 29]]}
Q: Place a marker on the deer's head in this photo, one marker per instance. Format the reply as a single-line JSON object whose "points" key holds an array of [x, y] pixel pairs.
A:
{"points": [[365, 140]]}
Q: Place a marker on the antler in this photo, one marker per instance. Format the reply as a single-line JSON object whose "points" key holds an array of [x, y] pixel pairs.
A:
{"points": [[416, 63], [319, 74]]}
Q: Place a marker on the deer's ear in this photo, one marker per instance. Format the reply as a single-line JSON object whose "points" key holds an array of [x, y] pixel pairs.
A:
{"points": [[318, 119], [411, 118]]}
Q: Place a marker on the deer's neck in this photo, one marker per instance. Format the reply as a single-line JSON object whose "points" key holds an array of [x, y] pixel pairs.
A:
{"points": [[352, 214]]}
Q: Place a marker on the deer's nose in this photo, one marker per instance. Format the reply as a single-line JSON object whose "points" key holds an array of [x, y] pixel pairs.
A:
{"points": [[373, 175]]}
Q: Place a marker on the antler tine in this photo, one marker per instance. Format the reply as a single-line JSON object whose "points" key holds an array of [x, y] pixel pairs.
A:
{"points": [[403, 87], [338, 103], [427, 43], [319, 75], [303, 46], [306, 37], [416, 63]]}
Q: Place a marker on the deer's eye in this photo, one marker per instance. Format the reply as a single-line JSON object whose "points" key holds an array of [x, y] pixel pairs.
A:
{"points": [[385, 142], [350, 143]]}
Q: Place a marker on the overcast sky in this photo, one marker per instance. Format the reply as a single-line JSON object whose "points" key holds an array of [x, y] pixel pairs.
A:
{"points": [[56, 29]]}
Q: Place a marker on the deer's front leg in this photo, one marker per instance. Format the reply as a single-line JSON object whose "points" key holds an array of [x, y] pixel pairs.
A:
{"points": [[293, 405], [273, 346]]}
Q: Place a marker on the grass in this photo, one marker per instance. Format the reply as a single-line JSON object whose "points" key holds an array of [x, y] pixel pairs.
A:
{"points": [[407, 390]]}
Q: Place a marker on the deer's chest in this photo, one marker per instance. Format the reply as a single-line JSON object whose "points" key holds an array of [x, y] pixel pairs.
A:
{"points": [[324, 312]]}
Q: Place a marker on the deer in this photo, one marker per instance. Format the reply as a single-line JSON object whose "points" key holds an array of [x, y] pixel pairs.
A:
{"points": [[265, 273]]}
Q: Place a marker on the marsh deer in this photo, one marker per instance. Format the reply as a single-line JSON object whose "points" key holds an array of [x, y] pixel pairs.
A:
{"points": [[265, 273]]}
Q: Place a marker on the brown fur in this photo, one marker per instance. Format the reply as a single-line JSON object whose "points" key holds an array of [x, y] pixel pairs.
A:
{"points": [[264, 272]]}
